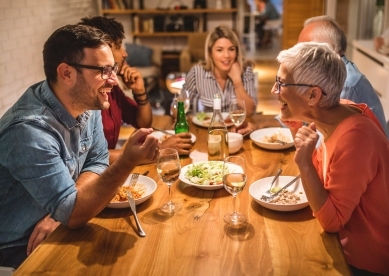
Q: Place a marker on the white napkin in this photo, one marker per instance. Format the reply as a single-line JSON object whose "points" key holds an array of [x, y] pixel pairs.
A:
{"points": [[198, 156]]}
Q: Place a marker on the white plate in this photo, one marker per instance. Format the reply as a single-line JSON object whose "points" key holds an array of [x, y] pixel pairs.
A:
{"points": [[150, 185], [258, 137], [160, 134], [259, 187], [184, 169], [205, 123]]}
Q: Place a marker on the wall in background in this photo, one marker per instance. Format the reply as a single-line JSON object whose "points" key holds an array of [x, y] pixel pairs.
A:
{"points": [[25, 25]]}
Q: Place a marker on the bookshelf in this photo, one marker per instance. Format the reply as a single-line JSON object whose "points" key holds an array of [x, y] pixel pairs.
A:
{"points": [[163, 22]]}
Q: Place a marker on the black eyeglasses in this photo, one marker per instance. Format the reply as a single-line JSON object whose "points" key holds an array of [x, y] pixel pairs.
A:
{"points": [[106, 71], [279, 84]]}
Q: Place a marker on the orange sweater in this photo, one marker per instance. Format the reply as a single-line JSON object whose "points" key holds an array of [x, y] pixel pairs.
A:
{"points": [[357, 181]]}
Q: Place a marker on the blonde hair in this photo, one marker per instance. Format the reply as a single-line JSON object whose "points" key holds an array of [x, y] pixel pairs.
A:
{"points": [[217, 33]]}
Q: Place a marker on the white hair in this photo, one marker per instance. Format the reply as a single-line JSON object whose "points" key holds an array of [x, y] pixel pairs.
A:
{"points": [[316, 64]]}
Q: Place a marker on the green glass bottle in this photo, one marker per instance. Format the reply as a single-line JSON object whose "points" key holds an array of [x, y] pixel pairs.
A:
{"points": [[181, 123]]}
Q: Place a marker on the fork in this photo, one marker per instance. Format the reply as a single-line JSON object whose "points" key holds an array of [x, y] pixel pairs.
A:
{"points": [[279, 142], [134, 179], [268, 198], [269, 192], [131, 200]]}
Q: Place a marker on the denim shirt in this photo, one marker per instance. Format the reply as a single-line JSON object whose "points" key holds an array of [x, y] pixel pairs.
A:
{"points": [[43, 151], [358, 89]]}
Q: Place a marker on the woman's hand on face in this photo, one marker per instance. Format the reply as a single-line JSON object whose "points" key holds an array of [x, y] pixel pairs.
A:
{"points": [[235, 73], [305, 141]]}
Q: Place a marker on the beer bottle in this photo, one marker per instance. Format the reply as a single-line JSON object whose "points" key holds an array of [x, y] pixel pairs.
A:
{"points": [[181, 123]]}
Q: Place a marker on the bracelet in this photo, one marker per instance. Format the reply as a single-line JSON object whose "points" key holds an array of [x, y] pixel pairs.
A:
{"points": [[142, 102], [237, 85], [139, 95]]}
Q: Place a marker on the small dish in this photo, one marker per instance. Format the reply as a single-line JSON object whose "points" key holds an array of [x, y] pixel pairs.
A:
{"points": [[260, 136], [150, 185], [259, 187], [235, 141]]}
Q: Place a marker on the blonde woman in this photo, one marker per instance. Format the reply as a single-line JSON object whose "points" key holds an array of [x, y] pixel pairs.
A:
{"points": [[223, 72]]}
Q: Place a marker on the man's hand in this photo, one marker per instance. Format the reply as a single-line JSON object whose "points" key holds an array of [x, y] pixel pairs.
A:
{"points": [[141, 147], [42, 229], [132, 78], [181, 142]]}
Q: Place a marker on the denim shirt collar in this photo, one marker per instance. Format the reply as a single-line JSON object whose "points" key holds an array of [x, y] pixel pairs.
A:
{"points": [[60, 111]]}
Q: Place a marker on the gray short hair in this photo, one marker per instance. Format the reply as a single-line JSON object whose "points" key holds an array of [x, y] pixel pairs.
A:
{"points": [[316, 64], [329, 31]]}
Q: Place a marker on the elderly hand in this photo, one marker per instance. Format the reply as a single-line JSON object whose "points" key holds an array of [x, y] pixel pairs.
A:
{"points": [[305, 141], [181, 142], [42, 229], [132, 79]]}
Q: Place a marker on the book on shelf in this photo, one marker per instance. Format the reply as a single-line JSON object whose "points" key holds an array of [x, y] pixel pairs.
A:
{"points": [[120, 4], [128, 4], [112, 4], [135, 24]]}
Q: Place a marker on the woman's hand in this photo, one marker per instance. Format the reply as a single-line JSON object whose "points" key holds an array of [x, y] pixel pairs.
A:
{"points": [[305, 141], [244, 128], [235, 73]]}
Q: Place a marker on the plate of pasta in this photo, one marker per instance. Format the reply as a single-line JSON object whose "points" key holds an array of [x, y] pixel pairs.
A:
{"points": [[273, 138], [142, 190], [291, 199]]}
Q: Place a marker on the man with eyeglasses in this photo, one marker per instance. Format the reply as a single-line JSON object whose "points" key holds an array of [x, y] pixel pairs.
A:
{"points": [[137, 113], [53, 154]]}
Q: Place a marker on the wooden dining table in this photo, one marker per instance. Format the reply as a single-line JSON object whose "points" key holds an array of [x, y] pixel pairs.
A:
{"points": [[196, 240]]}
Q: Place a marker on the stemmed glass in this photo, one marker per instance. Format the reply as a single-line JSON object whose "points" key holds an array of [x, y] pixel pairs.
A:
{"points": [[237, 111], [234, 180], [168, 169]]}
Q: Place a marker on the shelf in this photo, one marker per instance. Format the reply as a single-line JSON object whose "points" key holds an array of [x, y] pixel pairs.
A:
{"points": [[167, 11], [162, 34]]}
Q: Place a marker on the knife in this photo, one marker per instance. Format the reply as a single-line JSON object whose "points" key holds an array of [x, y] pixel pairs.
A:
{"points": [[163, 131], [133, 209]]}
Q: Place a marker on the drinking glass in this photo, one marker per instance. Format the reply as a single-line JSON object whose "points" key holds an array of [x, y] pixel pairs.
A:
{"points": [[168, 169], [234, 180], [237, 111]]}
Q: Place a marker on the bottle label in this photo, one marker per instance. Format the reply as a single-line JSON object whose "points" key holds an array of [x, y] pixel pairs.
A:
{"points": [[214, 145]]}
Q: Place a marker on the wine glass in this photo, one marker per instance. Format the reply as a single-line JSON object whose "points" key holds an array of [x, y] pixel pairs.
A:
{"points": [[234, 180], [237, 111], [168, 169]]}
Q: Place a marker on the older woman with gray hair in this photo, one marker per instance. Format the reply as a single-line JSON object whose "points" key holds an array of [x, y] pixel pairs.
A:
{"points": [[346, 180]]}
